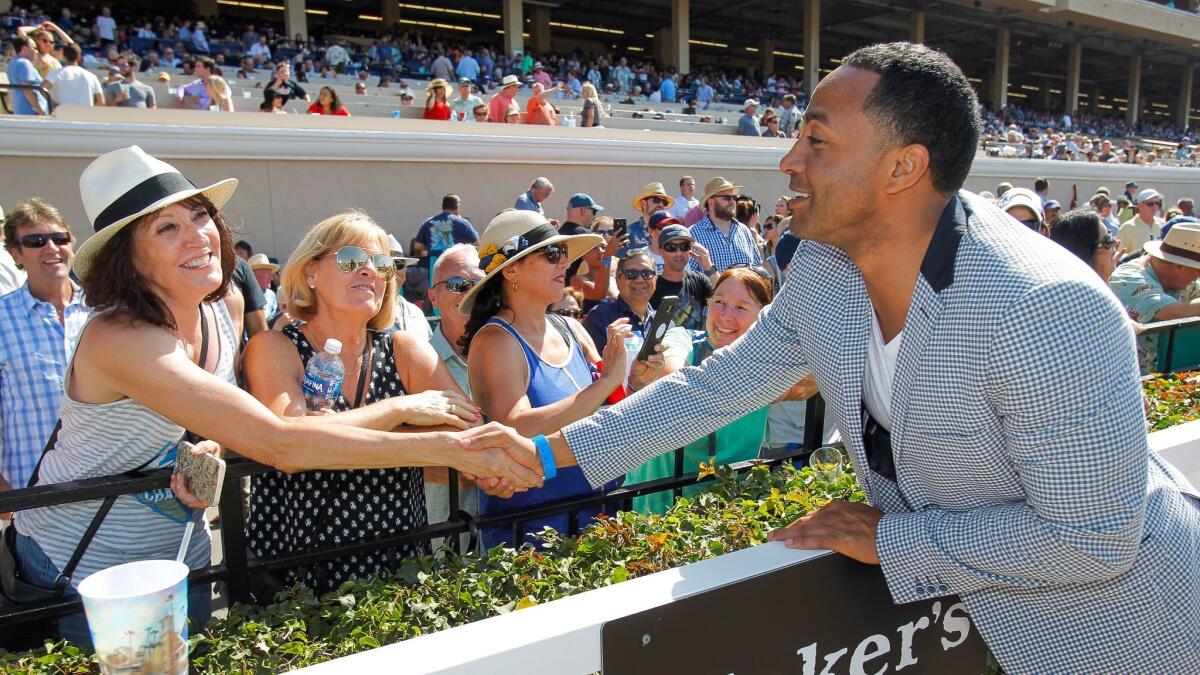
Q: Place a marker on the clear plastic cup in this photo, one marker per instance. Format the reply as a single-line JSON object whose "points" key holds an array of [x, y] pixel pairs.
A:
{"points": [[137, 614], [826, 462]]}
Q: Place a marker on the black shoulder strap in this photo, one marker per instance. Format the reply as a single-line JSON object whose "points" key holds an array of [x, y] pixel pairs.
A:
{"points": [[33, 477], [564, 329]]}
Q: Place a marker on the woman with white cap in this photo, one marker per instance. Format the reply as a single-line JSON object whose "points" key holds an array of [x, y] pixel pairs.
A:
{"points": [[525, 263], [158, 358]]}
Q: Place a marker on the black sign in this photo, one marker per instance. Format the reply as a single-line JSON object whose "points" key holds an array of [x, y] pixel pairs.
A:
{"points": [[829, 615]]}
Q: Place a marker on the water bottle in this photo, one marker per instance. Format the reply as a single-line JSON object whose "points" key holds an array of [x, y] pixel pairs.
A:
{"points": [[323, 378]]}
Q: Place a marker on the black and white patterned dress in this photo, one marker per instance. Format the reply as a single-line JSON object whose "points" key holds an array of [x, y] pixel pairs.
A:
{"points": [[317, 509]]}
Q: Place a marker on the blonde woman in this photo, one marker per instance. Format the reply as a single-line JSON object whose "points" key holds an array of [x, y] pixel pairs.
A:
{"points": [[436, 96], [220, 93], [341, 280], [592, 110]]}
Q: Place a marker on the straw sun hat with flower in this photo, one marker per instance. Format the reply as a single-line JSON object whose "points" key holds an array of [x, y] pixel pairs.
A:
{"points": [[512, 235], [121, 186]]}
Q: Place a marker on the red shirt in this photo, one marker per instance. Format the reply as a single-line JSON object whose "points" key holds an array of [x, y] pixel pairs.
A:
{"points": [[540, 113], [438, 111], [316, 109]]}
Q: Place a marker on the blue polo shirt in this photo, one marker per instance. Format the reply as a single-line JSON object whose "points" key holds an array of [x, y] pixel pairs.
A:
{"points": [[609, 311], [445, 230], [526, 202]]}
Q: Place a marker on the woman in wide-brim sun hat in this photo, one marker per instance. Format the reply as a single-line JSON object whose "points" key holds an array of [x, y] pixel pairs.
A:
{"points": [[159, 357], [533, 370]]}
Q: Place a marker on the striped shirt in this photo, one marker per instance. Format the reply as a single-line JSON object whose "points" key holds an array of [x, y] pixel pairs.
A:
{"points": [[737, 247], [103, 439], [34, 348]]}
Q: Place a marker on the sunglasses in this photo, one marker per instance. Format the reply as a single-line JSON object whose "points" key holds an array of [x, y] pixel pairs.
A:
{"points": [[603, 233], [350, 259], [681, 246], [1157, 203], [757, 269], [458, 284], [658, 200], [1106, 243], [634, 274], [39, 240], [725, 198], [768, 226], [1032, 223], [555, 252], [573, 312]]}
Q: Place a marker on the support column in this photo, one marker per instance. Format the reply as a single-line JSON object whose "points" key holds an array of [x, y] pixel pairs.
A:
{"points": [[205, 8], [664, 52], [514, 27], [390, 11], [1133, 96], [539, 32], [295, 19], [1000, 74], [681, 32], [1184, 106], [916, 27], [1094, 99], [1044, 94], [1074, 68], [766, 54], [812, 45]]}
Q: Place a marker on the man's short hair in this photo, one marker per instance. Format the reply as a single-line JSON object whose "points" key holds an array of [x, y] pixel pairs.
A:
{"points": [[1041, 184], [20, 42], [923, 97], [540, 183], [71, 53], [468, 250], [33, 210], [686, 179], [450, 202], [206, 62]]}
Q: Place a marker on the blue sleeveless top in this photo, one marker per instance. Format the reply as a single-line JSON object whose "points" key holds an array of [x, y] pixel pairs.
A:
{"points": [[547, 384]]}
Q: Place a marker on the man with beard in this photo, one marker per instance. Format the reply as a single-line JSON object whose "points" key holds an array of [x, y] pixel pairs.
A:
{"points": [[727, 241], [985, 385], [691, 287]]}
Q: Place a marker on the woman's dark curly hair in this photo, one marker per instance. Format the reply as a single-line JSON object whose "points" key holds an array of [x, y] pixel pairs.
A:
{"points": [[488, 302], [113, 281]]}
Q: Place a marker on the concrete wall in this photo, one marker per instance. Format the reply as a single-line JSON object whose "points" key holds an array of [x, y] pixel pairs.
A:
{"points": [[297, 170]]}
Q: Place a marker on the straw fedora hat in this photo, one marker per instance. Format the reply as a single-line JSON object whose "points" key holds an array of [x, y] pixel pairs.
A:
{"points": [[652, 190], [119, 187], [716, 186], [259, 261], [1181, 245], [512, 235], [437, 83]]}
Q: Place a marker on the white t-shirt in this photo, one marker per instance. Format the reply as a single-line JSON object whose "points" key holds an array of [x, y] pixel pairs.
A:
{"points": [[11, 277], [107, 26], [880, 373], [73, 85]]}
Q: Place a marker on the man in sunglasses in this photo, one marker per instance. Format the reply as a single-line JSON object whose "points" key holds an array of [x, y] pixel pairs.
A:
{"points": [[691, 287], [727, 241], [653, 197], [1145, 225], [636, 280], [39, 324]]}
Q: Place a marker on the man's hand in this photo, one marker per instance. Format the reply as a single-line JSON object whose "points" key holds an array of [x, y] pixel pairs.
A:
{"points": [[846, 527], [703, 259], [804, 390], [524, 467]]}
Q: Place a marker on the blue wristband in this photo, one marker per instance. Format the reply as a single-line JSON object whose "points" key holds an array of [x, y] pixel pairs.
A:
{"points": [[549, 468]]}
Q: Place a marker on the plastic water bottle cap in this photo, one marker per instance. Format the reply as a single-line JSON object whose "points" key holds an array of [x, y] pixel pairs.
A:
{"points": [[333, 346]]}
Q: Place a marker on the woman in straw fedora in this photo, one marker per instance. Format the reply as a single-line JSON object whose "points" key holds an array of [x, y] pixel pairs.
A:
{"points": [[437, 95], [525, 262], [158, 358]]}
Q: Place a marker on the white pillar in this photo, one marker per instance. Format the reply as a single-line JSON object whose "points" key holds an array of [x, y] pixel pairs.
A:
{"points": [[681, 33], [1074, 67], [812, 45], [916, 27], [1000, 76], [514, 27], [1184, 106], [1133, 96], [295, 19]]}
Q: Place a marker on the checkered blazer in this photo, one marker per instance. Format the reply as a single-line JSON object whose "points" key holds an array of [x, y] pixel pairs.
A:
{"points": [[1024, 480]]}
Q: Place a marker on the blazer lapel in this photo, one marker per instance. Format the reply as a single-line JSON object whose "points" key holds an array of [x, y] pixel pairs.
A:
{"points": [[922, 318], [854, 332]]}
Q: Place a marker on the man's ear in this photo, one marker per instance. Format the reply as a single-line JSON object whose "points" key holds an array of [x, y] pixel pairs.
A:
{"points": [[907, 166]]}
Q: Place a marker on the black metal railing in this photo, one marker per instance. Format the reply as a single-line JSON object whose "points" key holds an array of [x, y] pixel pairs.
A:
{"points": [[237, 567], [18, 90]]}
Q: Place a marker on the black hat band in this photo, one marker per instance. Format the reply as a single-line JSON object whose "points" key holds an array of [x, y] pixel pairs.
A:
{"points": [[142, 195]]}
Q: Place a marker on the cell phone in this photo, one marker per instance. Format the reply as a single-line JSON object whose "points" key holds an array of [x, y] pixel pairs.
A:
{"points": [[663, 317], [618, 225], [203, 474]]}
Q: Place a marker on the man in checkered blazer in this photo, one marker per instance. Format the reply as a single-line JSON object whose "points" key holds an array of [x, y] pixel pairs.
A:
{"points": [[984, 380]]}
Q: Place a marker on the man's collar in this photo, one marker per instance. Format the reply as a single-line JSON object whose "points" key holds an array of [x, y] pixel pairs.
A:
{"points": [[624, 308], [938, 265]]}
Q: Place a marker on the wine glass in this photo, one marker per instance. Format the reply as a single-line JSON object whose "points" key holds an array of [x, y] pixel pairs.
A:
{"points": [[826, 462]]}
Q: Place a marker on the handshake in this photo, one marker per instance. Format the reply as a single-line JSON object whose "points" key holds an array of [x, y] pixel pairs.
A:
{"points": [[499, 459]]}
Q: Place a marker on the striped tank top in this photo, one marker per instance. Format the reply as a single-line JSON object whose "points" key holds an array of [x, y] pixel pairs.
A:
{"points": [[103, 439]]}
